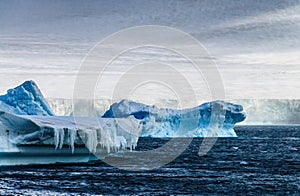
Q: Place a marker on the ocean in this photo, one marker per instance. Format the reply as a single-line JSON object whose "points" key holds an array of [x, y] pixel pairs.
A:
{"points": [[261, 160]]}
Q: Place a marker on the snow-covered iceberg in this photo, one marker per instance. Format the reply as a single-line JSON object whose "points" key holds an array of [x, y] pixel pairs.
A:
{"points": [[56, 136], [212, 119], [65, 130], [30, 133], [25, 99]]}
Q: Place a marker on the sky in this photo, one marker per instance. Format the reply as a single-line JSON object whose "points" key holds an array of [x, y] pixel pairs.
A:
{"points": [[255, 44]]}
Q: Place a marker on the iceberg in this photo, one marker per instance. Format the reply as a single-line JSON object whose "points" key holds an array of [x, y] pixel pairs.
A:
{"points": [[259, 111], [30, 133], [211, 119], [25, 99], [50, 139]]}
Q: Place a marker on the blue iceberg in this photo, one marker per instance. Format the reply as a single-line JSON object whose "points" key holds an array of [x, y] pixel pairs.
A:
{"points": [[25, 99], [30, 133], [212, 119]]}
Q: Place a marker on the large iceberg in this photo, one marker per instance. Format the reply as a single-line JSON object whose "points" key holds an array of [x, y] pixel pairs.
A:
{"points": [[111, 134], [32, 139], [25, 99], [30, 133], [212, 119]]}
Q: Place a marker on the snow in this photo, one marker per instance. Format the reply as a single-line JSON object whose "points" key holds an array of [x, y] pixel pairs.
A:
{"points": [[25, 99], [195, 122], [95, 133]]}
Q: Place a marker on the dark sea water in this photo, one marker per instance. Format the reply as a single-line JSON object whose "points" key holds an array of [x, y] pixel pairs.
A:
{"points": [[262, 160]]}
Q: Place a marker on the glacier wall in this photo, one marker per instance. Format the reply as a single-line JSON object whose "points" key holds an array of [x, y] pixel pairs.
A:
{"points": [[258, 111]]}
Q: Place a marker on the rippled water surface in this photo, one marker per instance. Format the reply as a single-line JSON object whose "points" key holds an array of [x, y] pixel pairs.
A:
{"points": [[263, 159]]}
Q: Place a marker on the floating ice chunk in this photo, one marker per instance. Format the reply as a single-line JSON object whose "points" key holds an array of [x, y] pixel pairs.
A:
{"points": [[212, 119], [244, 163]]}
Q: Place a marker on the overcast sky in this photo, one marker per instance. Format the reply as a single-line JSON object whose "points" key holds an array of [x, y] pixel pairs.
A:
{"points": [[254, 43]]}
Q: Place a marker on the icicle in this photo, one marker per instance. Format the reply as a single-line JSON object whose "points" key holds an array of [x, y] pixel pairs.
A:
{"points": [[91, 140], [61, 137], [56, 138], [111, 136], [72, 136]]}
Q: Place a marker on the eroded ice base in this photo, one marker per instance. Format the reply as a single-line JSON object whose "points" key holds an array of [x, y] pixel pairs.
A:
{"points": [[65, 137]]}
